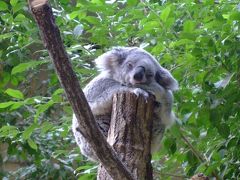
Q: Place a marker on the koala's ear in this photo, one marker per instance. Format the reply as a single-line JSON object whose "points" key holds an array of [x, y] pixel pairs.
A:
{"points": [[165, 79], [111, 59]]}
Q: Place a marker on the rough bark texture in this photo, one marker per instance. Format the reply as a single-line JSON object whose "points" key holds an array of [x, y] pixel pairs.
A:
{"points": [[43, 15], [130, 134]]}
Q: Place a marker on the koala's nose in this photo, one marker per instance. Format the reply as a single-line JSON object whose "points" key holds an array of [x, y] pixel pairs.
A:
{"points": [[139, 74]]}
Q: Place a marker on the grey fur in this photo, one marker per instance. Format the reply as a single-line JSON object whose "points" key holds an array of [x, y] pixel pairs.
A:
{"points": [[128, 69]]}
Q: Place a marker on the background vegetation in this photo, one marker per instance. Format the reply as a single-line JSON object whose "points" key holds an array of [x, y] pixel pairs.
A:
{"points": [[199, 41]]}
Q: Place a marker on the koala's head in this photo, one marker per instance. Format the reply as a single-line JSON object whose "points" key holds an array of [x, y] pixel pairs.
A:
{"points": [[132, 66]]}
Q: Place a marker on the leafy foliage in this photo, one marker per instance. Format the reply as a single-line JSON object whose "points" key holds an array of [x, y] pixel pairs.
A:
{"points": [[197, 40]]}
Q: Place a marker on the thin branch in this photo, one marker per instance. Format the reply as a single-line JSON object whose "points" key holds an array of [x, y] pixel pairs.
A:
{"points": [[43, 15], [195, 152], [198, 155]]}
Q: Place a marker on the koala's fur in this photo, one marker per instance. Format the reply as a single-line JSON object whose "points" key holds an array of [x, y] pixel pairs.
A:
{"points": [[128, 69]]}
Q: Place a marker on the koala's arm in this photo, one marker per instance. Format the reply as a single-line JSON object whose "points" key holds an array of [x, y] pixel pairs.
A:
{"points": [[99, 93], [164, 98]]}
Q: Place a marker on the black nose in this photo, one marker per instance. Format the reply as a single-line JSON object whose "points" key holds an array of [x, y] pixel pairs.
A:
{"points": [[139, 74]]}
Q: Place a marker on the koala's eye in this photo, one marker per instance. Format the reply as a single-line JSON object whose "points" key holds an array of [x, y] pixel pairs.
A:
{"points": [[129, 65]]}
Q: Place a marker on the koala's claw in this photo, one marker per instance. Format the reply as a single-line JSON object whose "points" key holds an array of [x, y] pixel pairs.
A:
{"points": [[139, 92]]}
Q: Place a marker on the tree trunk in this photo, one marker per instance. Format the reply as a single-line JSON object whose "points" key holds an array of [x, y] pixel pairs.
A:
{"points": [[130, 134]]}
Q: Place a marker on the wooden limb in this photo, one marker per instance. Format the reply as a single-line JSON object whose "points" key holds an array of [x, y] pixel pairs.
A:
{"points": [[130, 134], [43, 15]]}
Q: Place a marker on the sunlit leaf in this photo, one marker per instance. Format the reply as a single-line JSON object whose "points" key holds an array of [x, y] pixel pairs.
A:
{"points": [[20, 18], [132, 2], [15, 93], [3, 6], [46, 126], [6, 104], [42, 108], [6, 35], [13, 2], [28, 132], [165, 13], [8, 131], [16, 105], [58, 91], [25, 66], [32, 144], [189, 26]]}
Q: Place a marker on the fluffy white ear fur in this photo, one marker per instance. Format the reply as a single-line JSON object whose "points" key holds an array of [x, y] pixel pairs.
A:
{"points": [[164, 77], [106, 61], [111, 59]]}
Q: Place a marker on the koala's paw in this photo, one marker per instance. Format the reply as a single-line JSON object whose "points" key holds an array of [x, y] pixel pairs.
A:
{"points": [[139, 92]]}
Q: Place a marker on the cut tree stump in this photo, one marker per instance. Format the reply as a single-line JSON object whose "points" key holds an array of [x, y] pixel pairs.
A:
{"points": [[130, 134]]}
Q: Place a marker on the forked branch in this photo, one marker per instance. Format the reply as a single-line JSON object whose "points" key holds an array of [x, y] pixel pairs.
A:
{"points": [[50, 34]]}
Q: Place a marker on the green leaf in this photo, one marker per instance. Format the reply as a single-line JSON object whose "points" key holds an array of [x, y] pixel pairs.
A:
{"points": [[175, 130], [28, 132], [151, 25], [58, 91], [30, 101], [13, 2], [165, 13], [46, 126], [223, 130], [25, 66], [32, 144], [16, 105], [73, 14], [14, 81], [92, 20], [15, 93], [9, 131], [181, 42], [42, 108], [86, 167], [6, 35], [212, 167], [18, 7], [87, 176], [189, 26], [235, 16], [6, 104], [3, 6], [170, 145], [20, 18], [192, 159], [132, 2], [57, 95]]}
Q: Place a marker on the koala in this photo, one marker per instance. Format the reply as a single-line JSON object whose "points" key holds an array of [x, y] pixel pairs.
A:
{"points": [[134, 70]]}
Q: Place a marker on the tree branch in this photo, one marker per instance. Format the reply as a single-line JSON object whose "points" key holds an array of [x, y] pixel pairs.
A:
{"points": [[50, 34]]}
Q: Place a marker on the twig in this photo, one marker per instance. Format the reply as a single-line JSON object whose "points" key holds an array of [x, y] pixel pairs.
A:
{"points": [[198, 155]]}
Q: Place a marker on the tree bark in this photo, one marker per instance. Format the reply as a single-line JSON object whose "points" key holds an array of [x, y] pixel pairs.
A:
{"points": [[50, 34], [130, 134]]}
